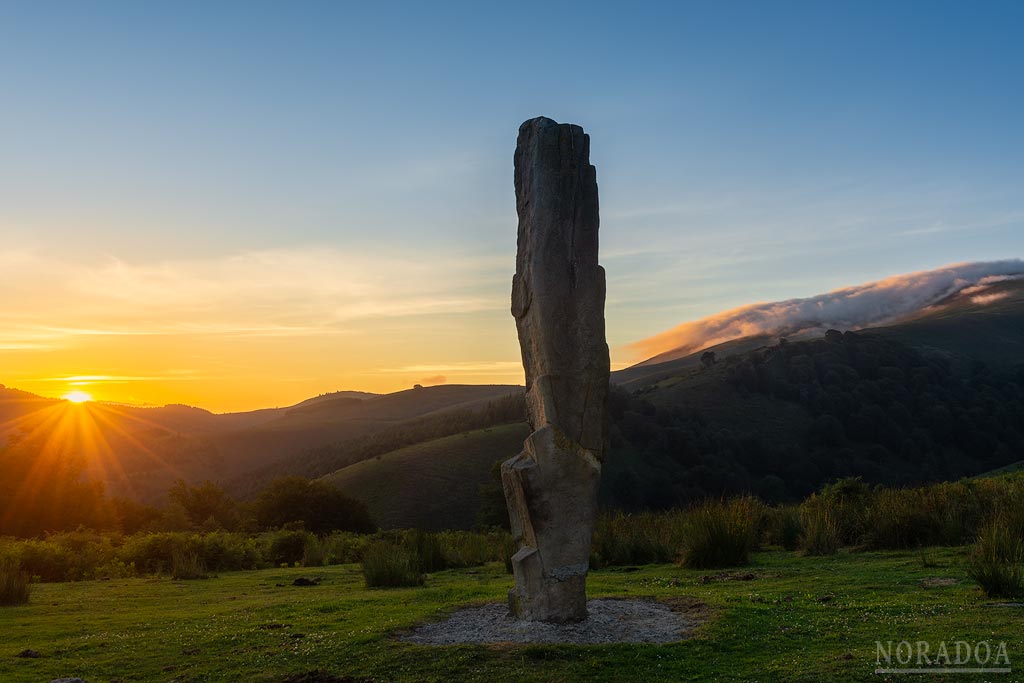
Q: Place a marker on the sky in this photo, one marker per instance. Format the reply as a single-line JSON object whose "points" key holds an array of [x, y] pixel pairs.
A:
{"points": [[240, 205]]}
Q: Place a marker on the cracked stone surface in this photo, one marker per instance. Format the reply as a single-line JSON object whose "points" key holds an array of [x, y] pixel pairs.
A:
{"points": [[558, 295]]}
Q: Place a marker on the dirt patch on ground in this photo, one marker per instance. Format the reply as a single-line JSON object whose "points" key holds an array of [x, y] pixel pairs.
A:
{"points": [[937, 582], [610, 621]]}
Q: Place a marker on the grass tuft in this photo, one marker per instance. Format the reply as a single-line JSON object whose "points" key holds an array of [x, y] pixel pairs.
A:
{"points": [[186, 565], [387, 565], [996, 561], [822, 533], [14, 583], [721, 534]]}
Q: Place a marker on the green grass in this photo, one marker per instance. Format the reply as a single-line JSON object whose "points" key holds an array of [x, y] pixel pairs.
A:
{"points": [[240, 626]]}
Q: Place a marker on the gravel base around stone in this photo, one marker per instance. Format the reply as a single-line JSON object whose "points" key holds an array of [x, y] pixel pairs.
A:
{"points": [[609, 621]]}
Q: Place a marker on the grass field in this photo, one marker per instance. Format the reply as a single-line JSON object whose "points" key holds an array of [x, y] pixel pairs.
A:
{"points": [[798, 619]]}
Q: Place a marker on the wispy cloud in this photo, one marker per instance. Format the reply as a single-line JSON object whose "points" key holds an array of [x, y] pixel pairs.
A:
{"points": [[462, 368], [271, 293]]}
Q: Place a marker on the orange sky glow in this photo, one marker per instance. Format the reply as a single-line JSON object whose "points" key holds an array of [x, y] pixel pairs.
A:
{"points": [[254, 329]]}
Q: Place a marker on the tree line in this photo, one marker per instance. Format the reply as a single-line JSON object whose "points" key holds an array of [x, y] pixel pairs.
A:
{"points": [[41, 494]]}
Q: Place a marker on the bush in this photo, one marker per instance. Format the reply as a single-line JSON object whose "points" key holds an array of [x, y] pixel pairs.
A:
{"points": [[222, 551], [940, 514], [68, 556], [643, 538], [721, 534], [466, 549], [314, 552], [287, 547], [387, 565], [821, 531], [14, 583], [317, 505], [996, 561], [783, 527], [152, 553], [426, 551], [187, 564], [344, 547], [847, 502]]}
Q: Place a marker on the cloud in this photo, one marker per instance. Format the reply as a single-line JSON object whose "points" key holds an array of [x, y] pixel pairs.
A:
{"points": [[270, 293], [463, 368], [433, 380], [847, 308], [983, 299]]}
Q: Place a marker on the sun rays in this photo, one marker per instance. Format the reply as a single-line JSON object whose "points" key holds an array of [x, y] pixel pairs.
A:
{"points": [[80, 435]]}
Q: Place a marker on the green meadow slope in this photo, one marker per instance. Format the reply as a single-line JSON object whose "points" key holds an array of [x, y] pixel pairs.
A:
{"points": [[432, 485]]}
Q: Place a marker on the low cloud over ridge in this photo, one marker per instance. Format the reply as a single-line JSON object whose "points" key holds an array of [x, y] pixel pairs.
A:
{"points": [[847, 308]]}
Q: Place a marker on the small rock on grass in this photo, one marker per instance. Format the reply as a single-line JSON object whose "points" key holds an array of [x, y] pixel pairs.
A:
{"points": [[29, 654]]}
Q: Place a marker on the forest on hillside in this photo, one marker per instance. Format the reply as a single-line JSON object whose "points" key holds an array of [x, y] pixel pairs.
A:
{"points": [[876, 409]]}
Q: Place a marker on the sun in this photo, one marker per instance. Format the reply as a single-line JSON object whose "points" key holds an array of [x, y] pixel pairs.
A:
{"points": [[77, 396]]}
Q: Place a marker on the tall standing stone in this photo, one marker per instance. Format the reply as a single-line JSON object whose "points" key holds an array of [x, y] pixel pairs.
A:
{"points": [[558, 302]]}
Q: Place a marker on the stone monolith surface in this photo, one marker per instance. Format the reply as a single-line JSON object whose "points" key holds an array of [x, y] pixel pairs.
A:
{"points": [[558, 297]]}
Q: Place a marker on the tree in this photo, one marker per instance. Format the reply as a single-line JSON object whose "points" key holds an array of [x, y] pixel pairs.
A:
{"points": [[205, 505], [834, 337], [320, 507], [42, 491], [707, 358]]}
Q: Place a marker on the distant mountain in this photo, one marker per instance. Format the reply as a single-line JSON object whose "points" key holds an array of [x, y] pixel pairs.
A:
{"points": [[938, 396], [890, 301], [139, 452]]}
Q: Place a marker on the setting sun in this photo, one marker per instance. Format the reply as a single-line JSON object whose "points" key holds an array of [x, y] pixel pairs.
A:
{"points": [[77, 397]]}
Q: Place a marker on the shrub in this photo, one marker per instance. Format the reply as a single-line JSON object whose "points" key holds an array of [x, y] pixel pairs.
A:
{"points": [[629, 539], [940, 514], [48, 562], [426, 551], [390, 565], [721, 534], [314, 552], [344, 547], [14, 583], [466, 549], [783, 527], [287, 547], [319, 506], [821, 531], [187, 564], [847, 502], [152, 553], [222, 551], [996, 561]]}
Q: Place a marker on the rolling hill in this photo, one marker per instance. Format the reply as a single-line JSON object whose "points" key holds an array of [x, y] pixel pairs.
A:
{"points": [[139, 452], [432, 485], [939, 394], [905, 403]]}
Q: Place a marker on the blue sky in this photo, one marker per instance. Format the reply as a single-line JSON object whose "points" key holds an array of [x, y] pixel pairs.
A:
{"points": [[745, 151]]}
